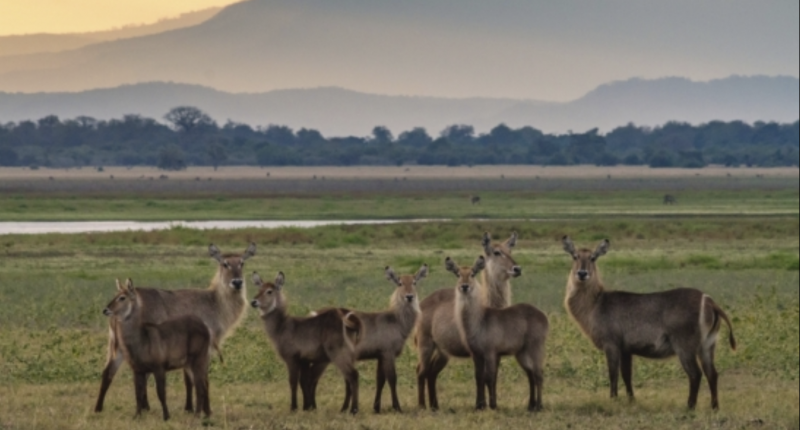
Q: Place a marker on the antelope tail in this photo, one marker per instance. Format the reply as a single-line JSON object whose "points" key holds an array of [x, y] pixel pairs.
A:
{"points": [[721, 314], [353, 328]]}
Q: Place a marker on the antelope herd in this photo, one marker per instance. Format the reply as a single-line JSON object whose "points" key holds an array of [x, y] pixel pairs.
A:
{"points": [[157, 330]]}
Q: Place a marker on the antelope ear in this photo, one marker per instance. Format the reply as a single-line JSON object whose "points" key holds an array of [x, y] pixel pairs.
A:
{"points": [[486, 243], [602, 249], [129, 285], [257, 279], [451, 266], [421, 273], [120, 288], [480, 264], [569, 247], [512, 241], [251, 251], [215, 253], [390, 275], [280, 278]]}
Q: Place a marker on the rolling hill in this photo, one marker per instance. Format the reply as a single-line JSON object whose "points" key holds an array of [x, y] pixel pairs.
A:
{"points": [[335, 111]]}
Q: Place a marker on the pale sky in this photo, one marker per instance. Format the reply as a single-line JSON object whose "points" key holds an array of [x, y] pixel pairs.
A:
{"points": [[77, 16]]}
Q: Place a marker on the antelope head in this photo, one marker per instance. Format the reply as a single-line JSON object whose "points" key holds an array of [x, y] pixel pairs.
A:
{"points": [[269, 293], [231, 266], [467, 276], [584, 267], [499, 263], [124, 303], [406, 285]]}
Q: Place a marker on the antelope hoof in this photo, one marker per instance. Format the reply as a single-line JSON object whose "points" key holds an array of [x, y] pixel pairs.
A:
{"points": [[354, 411]]}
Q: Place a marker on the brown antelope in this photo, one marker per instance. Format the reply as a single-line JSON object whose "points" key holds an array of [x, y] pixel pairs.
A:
{"points": [[221, 307], [490, 333], [308, 344], [179, 343], [475, 199], [683, 322], [437, 337], [385, 334]]}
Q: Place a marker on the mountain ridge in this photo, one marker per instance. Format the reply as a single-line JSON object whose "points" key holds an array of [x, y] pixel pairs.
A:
{"points": [[339, 111]]}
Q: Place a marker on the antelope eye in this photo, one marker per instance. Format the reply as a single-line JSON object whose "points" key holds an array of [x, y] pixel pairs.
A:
{"points": [[226, 265], [269, 292], [497, 253], [122, 299]]}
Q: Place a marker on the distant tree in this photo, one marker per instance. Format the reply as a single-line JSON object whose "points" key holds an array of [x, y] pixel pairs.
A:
{"points": [[187, 119], [417, 137], [661, 159], [171, 158], [8, 157], [382, 135], [459, 134], [216, 154], [309, 137], [632, 160], [280, 134]]}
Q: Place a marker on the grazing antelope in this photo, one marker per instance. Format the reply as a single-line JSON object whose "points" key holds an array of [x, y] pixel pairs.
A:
{"points": [[474, 199], [669, 199], [385, 334], [683, 322], [490, 333], [437, 337], [308, 344], [221, 307], [178, 343]]}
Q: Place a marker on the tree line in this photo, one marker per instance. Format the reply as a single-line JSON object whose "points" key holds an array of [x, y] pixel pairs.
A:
{"points": [[190, 137]]}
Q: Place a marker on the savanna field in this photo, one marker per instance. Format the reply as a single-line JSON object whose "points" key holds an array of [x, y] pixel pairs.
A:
{"points": [[735, 239]]}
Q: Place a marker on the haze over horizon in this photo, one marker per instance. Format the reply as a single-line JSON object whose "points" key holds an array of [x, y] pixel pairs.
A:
{"points": [[521, 49]]}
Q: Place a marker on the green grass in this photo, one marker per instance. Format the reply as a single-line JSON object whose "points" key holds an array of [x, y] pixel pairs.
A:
{"points": [[553, 204], [54, 287]]}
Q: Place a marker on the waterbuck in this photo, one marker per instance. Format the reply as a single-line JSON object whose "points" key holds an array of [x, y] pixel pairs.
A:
{"points": [[178, 343], [385, 334], [308, 344], [683, 322], [221, 307], [490, 333], [437, 337]]}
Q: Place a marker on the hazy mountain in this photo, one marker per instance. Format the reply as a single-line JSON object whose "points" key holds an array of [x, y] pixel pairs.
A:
{"points": [[41, 43], [507, 48], [335, 111]]}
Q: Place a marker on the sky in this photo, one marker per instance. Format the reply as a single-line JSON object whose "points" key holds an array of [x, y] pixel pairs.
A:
{"points": [[78, 16], [555, 50]]}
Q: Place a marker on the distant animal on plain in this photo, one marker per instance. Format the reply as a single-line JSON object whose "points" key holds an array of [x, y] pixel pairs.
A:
{"points": [[669, 199], [475, 199]]}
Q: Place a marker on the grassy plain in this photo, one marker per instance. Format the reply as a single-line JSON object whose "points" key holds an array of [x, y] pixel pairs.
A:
{"points": [[737, 238], [52, 331]]}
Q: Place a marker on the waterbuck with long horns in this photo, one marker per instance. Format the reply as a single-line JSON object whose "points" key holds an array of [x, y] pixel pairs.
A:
{"points": [[683, 322], [308, 344], [221, 307], [437, 337], [179, 343], [385, 334], [490, 333]]}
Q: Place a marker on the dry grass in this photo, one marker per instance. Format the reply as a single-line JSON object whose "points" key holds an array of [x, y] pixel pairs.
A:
{"points": [[410, 172]]}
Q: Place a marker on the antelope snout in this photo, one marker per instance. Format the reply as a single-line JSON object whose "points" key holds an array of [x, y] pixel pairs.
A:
{"points": [[107, 312], [583, 275], [464, 288], [237, 284], [516, 270], [254, 303], [409, 298]]}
